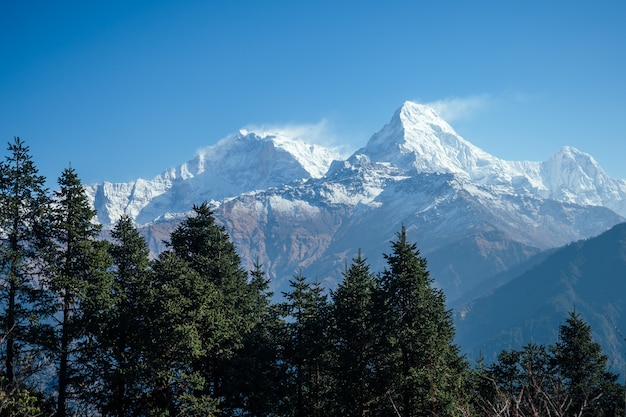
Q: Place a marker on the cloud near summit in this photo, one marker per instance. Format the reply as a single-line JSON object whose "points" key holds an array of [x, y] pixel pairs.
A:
{"points": [[320, 133], [456, 108]]}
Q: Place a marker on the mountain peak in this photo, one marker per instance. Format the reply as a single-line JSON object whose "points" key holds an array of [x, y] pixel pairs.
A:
{"points": [[569, 160], [420, 116], [417, 138], [314, 159]]}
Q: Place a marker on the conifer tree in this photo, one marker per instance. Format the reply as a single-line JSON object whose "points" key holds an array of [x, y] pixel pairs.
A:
{"points": [[23, 209], [582, 368], [423, 369], [355, 341], [118, 338], [207, 249], [569, 378], [306, 349], [183, 319], [254, 375], [77, 273]]}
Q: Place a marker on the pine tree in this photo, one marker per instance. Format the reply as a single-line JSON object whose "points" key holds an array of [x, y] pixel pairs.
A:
{"points": [[118, 338], [306, 349], [207, 249], [355, 340], [23, 204], [254, 374], [582, 368], [424, 370], [183, 319], [77, 264]]}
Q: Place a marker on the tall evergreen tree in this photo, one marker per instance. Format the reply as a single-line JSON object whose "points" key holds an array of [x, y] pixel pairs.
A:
{"points": [[355, 341], [306, 349], [424, 370], [183, 321], [206, 247], [254, 374], [23, 208], [78, 265], [118, 338], [583, 369]]}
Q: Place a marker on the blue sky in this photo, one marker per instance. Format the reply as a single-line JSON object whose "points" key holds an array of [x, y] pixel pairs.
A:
{"points": [[126, 89]]}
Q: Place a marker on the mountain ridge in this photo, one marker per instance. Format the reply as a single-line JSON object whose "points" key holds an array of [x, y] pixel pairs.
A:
{"points": [[416, 140], [214, 174], [586, 276], [416, 171]]}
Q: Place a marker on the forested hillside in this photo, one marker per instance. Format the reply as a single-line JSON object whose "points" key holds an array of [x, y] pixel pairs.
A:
{"points": [[94, 327]]}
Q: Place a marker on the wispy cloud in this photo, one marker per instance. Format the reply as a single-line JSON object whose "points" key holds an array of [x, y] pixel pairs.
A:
{"points": [[320, 133], [456, 108]]}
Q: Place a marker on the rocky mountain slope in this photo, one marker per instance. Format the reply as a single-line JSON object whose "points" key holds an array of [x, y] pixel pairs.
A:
{"points": [[300, 208]]}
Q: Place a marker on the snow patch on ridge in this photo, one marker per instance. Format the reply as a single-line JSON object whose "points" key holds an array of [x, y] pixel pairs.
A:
{"points": [[415, 141], [418, 140], [242, 162]]}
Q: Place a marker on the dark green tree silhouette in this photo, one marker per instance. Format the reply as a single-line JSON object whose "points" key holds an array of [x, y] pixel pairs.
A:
{"points": [[569, 378], [23, 218], [355, 341], [78, 274], [305, 349], [254, 375], [118, 337], [582, 368], [423, 372], [207, 249], [183, 320]]}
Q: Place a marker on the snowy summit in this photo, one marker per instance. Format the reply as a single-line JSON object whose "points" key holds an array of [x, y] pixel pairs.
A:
{"points": [[416, 140]]}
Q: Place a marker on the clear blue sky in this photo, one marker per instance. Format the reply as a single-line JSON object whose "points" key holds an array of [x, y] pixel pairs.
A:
{"points": [[126, 89]]}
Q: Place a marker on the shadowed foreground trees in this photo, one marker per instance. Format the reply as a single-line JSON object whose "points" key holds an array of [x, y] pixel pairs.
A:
{"points": [[569, 378], [421, 367], [77, 274], [23, 212], [191, 333], [356, 337], [118, 337]]}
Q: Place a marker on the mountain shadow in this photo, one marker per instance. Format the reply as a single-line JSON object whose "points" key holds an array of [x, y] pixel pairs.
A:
{"points": [[588, 276]]}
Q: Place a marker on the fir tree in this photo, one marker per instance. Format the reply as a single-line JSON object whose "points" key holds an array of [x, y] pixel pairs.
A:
{"points": [[306, 349], [207, 249], [23, 209], [582, 368], [254, 374], [355, 341], [78, 275], [423, 369], [183, 320], [118, 338]]}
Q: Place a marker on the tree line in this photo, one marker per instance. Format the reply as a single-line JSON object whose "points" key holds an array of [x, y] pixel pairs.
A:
{"points": [[93, 326]]}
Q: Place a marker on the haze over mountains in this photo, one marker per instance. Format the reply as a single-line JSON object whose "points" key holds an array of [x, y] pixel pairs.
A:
{"points": [[588, 276]]}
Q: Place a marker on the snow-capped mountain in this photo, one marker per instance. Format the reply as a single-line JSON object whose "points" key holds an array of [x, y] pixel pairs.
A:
{"points": [[239, 163], [472, 214], [417, 139]]}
